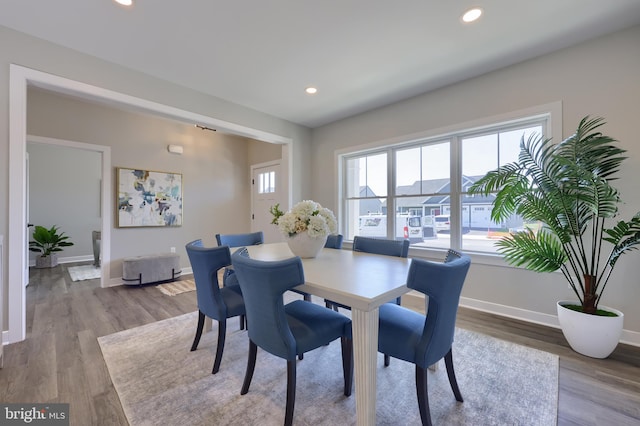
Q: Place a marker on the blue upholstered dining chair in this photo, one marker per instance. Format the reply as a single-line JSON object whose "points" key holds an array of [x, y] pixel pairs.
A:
{"points": [[240, 240], [213, 302], [290, 330], [399, 248], [424, 340], [334, 241], [237, 240]]}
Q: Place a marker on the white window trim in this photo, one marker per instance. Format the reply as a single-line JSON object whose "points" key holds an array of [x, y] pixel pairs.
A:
{"points": [[553, 112]]}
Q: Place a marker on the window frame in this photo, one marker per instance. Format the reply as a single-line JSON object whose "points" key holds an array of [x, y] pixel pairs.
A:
{"points": [[548, 115]]}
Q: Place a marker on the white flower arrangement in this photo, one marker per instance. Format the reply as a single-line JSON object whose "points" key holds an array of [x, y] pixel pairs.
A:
{"points": [[306, 216]]}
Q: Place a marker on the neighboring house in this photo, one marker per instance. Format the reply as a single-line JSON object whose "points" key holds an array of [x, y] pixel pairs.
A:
{"points": [[435, 200], [370, 205]]}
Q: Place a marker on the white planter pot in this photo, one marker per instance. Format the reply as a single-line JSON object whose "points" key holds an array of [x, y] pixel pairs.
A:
{"points": [[591, 335], [305, 246]]}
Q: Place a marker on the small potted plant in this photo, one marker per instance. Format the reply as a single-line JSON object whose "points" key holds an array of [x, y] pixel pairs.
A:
{"points": [[567, 189], [48, 242]]}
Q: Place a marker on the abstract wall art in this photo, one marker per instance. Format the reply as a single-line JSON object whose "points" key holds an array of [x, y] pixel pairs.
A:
{"points": [[148, 198]]}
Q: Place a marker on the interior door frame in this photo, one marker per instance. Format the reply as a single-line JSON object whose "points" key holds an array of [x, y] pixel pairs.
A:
{"points": [[106, 207], [20, 78]]}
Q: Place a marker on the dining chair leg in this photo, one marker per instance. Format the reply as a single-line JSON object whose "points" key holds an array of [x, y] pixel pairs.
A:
{"points": [[387, 360], [423, 396], [242, 322], [251, 366], [347, 364], [199, 329], [222, 333], [291, 392], [448, 361]]}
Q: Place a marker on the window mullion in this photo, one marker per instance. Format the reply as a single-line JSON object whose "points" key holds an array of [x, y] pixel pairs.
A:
{"points": [[455, 188], [391, 193]]}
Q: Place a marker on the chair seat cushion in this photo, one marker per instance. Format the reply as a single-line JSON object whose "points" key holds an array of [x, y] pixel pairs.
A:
{"points": [[314, 325], [232, 297], [400, 330]]}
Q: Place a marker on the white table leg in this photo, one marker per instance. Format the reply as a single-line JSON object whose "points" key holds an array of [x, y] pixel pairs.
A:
{"points": [[365, 351]]}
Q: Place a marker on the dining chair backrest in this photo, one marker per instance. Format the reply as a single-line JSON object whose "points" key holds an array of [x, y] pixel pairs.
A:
{"points": [[263, 284], [334, 241], [205, 263], [399, 248], [452, 255], [442, 282], [240, 240]]}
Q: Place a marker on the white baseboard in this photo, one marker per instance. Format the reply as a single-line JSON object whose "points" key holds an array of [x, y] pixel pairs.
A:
{"points": [[70, 259], [628, 337]]}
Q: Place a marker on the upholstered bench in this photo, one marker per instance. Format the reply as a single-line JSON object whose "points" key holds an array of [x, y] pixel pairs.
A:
{"points": [[152, 268]]}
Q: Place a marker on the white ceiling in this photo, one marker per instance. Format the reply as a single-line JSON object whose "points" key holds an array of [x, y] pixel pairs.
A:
{"points": [[360, 54]]}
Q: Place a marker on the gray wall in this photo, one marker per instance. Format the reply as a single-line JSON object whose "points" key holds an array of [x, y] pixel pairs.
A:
{"points": [[64, 190], [598, 78], [214, 168]]}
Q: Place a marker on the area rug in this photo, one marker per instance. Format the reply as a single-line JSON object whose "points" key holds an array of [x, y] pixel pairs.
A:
{"points": [[159, 381], [177, 287], [83, 272]]}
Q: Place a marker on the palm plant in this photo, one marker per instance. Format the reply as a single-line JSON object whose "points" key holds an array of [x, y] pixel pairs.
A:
{"points": [[567, 188]]}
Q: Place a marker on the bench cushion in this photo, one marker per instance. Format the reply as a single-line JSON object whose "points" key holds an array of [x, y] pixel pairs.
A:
{"points": [[151, 268]]}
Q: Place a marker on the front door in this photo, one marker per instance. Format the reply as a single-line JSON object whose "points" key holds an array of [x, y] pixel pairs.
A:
{"points": [[266, 192]]}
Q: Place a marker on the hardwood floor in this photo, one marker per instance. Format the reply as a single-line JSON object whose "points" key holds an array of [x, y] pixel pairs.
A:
{"points": [[61, 361]]}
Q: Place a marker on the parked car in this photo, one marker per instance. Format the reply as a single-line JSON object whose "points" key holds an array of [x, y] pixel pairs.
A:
{"points": [[407, 227], [442, 222]]}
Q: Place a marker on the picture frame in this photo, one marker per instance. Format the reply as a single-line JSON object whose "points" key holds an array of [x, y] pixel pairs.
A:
{"points": [[148, 198]]}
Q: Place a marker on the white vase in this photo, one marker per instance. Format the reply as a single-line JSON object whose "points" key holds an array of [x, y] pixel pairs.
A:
{"points": [[591, 335], [305, 246]]}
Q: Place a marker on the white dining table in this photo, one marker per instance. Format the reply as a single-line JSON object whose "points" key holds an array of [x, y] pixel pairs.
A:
{"points": [[362, 281]]}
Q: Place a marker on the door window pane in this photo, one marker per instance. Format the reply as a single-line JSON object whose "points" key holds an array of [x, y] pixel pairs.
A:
{"points": [[266, 182]]}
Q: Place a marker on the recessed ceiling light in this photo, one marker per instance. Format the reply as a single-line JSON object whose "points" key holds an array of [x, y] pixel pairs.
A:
{"points": [[311, 90], [472, 14], [125, 2]]}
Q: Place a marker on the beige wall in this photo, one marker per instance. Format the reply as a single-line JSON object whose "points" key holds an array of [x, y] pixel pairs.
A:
{"points": [[598, 78], [214, 168]]}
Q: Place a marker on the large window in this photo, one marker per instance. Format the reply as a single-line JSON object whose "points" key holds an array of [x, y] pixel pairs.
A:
{"points": [[418, 190]]}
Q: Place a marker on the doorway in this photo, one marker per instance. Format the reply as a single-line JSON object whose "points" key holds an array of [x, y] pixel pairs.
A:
{"points": [[266, 191], [66, 189], [20, 78]]}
